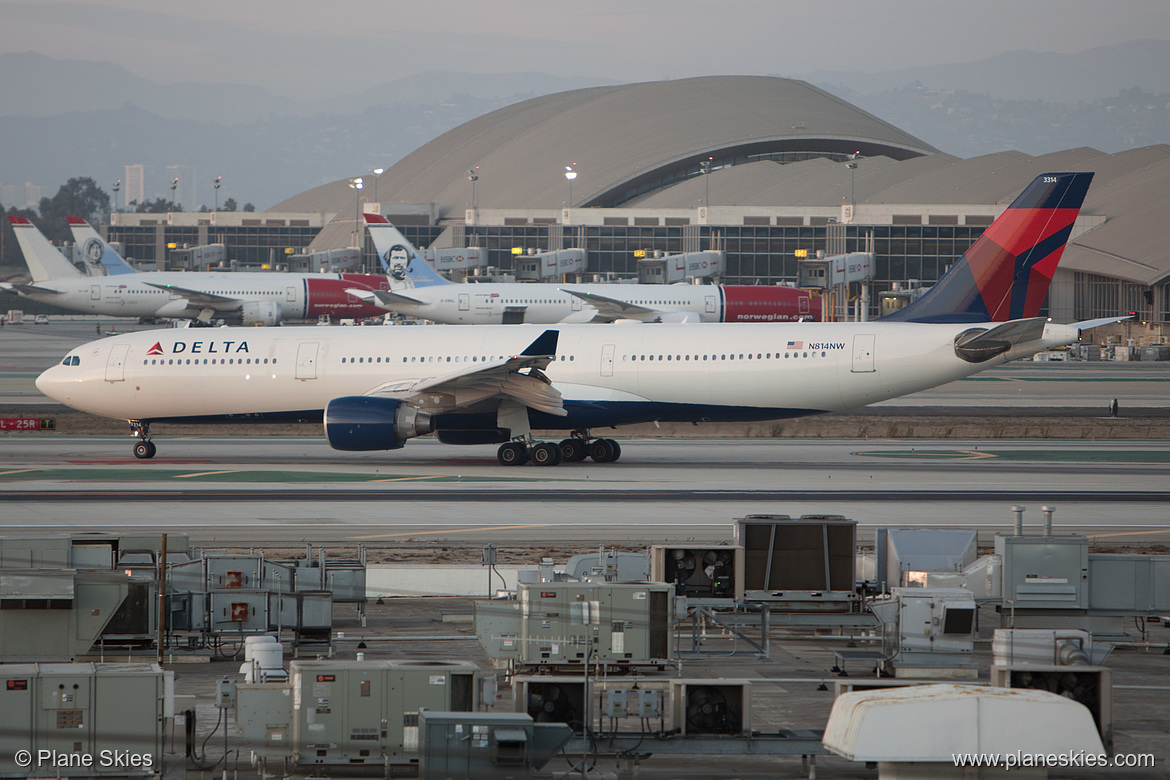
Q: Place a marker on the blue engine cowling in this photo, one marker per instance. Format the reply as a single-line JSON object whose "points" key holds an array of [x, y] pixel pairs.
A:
{"points": [[359, 423]]}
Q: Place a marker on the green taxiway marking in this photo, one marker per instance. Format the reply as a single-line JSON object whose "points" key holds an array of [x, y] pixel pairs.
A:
{"points": [[187, 475], [1068, 456]]}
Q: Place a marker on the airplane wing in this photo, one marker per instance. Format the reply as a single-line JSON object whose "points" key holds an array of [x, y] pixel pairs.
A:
{"points": [[28, 289], [387, 300], [611, 308], [201, 299], [498, 379]]}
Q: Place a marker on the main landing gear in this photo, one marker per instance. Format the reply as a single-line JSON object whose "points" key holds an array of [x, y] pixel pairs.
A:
{"points": [[144, 448], [575, 449]]}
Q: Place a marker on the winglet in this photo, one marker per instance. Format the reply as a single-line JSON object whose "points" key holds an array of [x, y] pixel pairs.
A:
{"points": [[544, 346]]}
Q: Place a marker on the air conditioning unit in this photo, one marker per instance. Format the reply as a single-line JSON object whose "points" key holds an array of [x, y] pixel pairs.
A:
{"points": [[551, 699], [1092, 686], [717, 706], [699, 571]]}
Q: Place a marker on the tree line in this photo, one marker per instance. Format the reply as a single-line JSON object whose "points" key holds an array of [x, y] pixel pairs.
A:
{"points": [[78, 197]]}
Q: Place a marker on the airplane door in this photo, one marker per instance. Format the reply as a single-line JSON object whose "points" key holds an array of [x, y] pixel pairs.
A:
{"points": [[804, 304], [863, 344], [95, 292], [290, 294], [116, 363], [464, 301], [307, 360], [574, 303], [710, 305], [607, 360]]}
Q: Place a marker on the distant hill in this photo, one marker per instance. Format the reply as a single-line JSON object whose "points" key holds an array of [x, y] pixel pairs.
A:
{"points": [[1027, 75], [66, 118]]}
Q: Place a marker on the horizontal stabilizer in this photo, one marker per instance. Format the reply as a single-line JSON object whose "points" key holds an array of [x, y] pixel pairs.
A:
{"points": [[30, 289], [1090, 324]]}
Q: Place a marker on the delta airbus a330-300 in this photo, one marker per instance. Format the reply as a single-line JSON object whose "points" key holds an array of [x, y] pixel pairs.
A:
{"points": [[241, 298], [416, 289], [374, 388]]}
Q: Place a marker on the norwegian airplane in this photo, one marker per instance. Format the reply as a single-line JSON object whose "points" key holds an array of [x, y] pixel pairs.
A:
{"points": [[375, 388], [416, 289], [244, 298]]}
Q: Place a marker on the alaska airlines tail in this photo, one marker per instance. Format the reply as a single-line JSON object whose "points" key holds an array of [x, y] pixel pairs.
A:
{"points": [[401, 261], [44, 260], [99, 256], [1005, 274]]}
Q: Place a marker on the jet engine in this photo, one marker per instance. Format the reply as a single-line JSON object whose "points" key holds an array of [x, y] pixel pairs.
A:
{"points": [[260, 313], [359, 423]]}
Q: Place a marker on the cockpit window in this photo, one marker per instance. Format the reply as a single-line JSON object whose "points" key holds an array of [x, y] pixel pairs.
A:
{"points": [[71, 360]]}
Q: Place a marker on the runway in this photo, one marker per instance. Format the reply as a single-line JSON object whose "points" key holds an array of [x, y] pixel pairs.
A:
{"points": [[265, 491], [243, 490]]}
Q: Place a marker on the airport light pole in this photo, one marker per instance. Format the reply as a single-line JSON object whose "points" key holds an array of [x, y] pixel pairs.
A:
{"points": [[356, 185], [473, 177], [570, 174], [174, 185], [377, 172], [117, 186], [705, 167], [215, 186], [852, 166]]}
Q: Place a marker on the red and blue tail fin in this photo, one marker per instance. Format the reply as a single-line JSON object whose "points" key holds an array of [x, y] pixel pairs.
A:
{"points": [[1005, 274]]}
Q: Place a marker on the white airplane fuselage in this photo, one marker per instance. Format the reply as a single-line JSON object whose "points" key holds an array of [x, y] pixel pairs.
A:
{"points": [[294, 296], [607, 375], [502, 303]]}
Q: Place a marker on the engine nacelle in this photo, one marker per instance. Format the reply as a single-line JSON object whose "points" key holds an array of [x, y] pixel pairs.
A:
{"points": [[260, 313], [359, 423]]}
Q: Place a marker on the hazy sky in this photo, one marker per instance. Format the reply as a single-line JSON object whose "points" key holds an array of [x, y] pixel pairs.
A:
{"points": [[314, 47]]}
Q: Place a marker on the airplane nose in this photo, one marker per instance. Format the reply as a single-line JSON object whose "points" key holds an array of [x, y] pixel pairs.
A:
{"points": [[48, 382]]}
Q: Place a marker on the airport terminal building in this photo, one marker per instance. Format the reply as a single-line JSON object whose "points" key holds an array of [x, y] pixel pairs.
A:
{"points": [[761, 168]]}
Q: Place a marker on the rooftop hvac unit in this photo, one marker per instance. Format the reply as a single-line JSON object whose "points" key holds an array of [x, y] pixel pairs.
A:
{"points": [[717, 706], [551, 699], [566, 624], [700, 572], [366, 712], [1091, 686], [798, 560]]}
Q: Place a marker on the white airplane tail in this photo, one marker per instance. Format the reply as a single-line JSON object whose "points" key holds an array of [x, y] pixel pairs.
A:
{"points": [[45, 261], [400, 260], [100, 258]]}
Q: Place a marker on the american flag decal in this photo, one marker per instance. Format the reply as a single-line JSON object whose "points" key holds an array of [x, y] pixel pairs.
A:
{"points": [[795, 345]]}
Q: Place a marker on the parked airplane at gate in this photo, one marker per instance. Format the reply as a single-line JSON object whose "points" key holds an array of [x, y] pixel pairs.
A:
{"points": [[374, 388], [424, 293], [99, 257], [244, 298]]}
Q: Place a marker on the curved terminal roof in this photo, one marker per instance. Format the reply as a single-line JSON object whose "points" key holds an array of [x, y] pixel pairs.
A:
{"points": [[640, 145], [622, 140]]}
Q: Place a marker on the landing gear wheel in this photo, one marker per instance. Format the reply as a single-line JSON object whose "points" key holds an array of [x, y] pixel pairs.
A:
{"points": [[602, 450], [573, 450], [144, 450], [512, 454], [617, 450], [546, 454]]}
